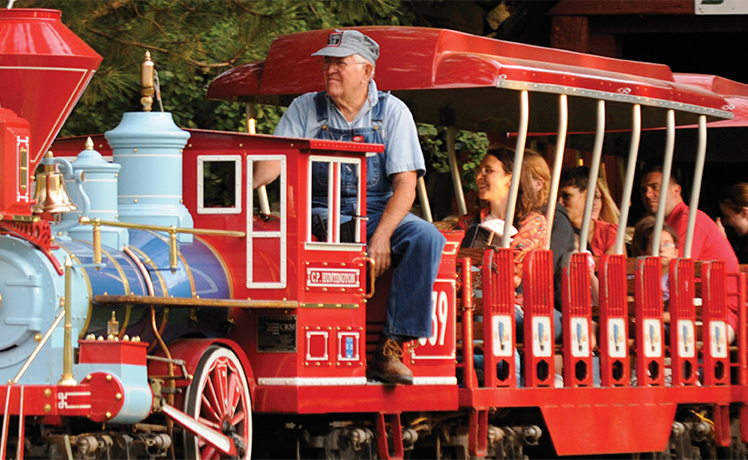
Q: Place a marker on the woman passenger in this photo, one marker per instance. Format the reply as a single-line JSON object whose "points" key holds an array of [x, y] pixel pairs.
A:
{"points": [[604, 207], [562, 233], [529, 229], [573, 195], [734, 206], [485, 228]]}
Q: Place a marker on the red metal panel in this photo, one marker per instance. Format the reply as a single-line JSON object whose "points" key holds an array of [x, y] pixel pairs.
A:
{"points": [[104, 403], [590, 420], [93, 351], [371, 397], [478, 433], [602, 426], [742, 331], [714, 333], [577, 322], [540, 367], [15, 166], [396, 430], [650, 346], [498, 318], [742, 341], [683, 335], [469, 377], [615, 366], [721, 415], [434, 357]]}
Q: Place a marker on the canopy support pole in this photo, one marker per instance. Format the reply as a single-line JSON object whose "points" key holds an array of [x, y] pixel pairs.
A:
{"points": [[423, 197], [597, 153], [628, 186], [454, 170], [519, 153], [262, 193], [693, 206], [558, 160], [667, 164]]}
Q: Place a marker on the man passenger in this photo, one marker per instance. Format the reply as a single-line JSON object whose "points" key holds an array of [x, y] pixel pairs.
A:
{"points": [[708, 242], [352, 109]]}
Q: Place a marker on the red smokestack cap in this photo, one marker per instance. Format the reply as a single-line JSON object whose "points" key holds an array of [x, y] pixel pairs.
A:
{"points": [[44, 68]]}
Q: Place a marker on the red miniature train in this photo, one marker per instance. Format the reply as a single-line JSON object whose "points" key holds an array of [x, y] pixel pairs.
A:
{"points": [[223, 328]]}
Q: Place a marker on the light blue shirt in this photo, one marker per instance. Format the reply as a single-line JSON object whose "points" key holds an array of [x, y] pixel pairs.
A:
{"points": [[402, 151]]}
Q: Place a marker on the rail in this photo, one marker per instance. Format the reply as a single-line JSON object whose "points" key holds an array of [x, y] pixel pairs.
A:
{"points": [[172, 231]]}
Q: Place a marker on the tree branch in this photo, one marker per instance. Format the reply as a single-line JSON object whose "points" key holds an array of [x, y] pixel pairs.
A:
{"points": [[202, 64]]}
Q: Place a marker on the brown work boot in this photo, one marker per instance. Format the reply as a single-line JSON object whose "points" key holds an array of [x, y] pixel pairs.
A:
{"points": [[386, 365]]}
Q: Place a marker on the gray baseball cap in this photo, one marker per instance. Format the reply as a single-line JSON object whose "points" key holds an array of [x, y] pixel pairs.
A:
{"points": [[343, 43]]}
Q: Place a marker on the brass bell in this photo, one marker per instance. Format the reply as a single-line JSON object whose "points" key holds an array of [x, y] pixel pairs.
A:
{"points": [[51, 195]]}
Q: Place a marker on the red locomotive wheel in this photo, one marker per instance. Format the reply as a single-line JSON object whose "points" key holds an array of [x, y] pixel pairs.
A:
{"points": [[219, 398]]}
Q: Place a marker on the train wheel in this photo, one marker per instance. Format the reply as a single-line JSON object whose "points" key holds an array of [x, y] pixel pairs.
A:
{"points": [[219, 398]]}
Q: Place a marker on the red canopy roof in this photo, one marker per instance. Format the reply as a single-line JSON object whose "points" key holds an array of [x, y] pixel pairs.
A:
{"points": [[734, 92], [471, 82]]}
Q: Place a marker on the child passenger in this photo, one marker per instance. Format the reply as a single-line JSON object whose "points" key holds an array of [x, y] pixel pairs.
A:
{"points": [[642, 246]]}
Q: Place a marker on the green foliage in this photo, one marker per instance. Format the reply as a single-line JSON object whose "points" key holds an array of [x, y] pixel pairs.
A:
{"points": [[469, 148], [191, 42], [219, 179]]}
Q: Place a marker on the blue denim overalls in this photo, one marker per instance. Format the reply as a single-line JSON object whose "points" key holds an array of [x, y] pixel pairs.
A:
{"points": [[416, 245]]}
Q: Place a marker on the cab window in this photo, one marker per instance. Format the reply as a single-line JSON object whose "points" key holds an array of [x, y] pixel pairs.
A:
{"points": [[219, 179]]}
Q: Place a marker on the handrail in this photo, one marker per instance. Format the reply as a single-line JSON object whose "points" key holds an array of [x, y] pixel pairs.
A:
{"points": [[67, 378], [172, 231], [39, 346], [161, 228]]}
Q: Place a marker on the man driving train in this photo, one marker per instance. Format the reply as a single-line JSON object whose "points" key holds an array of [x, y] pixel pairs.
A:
{"points": [[352, 109]]}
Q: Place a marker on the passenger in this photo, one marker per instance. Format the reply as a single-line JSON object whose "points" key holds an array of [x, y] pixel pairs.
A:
{"points": [[642, 246], [352, 109], [604, 207], [573, 195], [528, 231], [734, 206], [709, 243], [562, 233]]}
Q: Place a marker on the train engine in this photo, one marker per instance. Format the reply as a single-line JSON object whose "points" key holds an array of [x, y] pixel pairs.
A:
{"points": [[93, 369]]}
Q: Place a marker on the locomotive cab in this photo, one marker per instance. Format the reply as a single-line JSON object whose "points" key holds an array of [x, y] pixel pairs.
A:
{"points": [[318, 259], [318, 336]]}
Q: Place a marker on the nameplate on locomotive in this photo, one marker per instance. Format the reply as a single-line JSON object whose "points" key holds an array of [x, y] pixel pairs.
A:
{"points": [[276, 334], [327, 278]]}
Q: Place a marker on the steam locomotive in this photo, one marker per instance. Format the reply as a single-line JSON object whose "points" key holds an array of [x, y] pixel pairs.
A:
{"points": [[142, 316]]}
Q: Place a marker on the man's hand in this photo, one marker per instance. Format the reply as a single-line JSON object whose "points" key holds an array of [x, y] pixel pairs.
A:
{"points": [[379, 250]]}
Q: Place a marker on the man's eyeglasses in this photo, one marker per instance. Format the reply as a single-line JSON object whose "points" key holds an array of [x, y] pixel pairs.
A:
{"points": [[338, 65]]}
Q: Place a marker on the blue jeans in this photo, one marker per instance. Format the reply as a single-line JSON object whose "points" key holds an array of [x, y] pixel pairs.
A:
{"points": [[416, 251]]}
